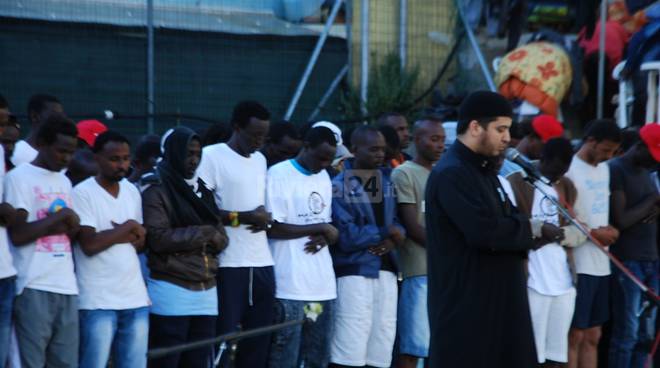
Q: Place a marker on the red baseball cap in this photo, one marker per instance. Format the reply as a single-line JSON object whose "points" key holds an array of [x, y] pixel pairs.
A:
{"points": [[547, 127], [88, 130], [650, 134]]}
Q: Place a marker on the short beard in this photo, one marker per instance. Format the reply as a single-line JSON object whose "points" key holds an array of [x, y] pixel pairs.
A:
{"points": [[487, 149], [116, 178]]}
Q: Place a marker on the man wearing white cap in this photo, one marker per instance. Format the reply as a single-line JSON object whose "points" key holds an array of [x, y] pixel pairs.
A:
{"points": [[342, 151]]}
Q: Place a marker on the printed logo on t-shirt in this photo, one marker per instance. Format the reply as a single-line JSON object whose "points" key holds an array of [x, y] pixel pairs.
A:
{"points": [[48, 204], [600, 204], [548, 208], [56, 206], [316, 203]]}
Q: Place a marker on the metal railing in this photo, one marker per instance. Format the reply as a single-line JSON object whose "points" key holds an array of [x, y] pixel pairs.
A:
{"points": [[227, 342]]}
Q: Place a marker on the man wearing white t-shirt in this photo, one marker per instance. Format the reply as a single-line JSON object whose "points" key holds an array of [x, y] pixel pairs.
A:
{"points": [[550, 283], [591, 176], [236, 173], [113, 301], [299, 195], [40, 108], [46, 308], [7, 270]]}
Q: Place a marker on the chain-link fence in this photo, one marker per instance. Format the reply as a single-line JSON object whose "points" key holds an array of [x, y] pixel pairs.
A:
{"points": [[209, 54]]}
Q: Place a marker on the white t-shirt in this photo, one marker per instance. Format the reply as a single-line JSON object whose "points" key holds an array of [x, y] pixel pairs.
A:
{"points": [[507, 189], [239, 184], [45, 264], [592, 206], [297, 197], [549, 273], [23, 153], [111, 279], [6, 265]]}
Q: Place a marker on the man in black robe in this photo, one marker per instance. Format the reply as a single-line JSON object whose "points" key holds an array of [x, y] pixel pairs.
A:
{"points": [[477, 242]]}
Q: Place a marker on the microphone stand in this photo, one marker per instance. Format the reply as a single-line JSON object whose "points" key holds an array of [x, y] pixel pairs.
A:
{"points": [[650, 294], [566, 214]]}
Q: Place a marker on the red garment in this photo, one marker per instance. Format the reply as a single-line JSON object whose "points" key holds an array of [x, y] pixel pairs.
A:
{"points": [[395, 162], [616, 38]]}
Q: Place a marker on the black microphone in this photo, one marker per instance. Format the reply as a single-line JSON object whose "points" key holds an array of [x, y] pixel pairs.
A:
{"points": [[516, 157]]}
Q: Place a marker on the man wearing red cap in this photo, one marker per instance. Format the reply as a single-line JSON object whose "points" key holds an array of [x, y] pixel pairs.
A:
{"points": [[536, 134], [83, 165], [634, 206], [88, 130]]}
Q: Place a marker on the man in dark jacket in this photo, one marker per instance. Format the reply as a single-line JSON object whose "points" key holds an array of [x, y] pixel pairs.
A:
{"points": [[184, 237], [364, 212], [477, 242]]}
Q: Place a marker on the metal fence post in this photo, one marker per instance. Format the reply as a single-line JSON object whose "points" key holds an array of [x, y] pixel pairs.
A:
{"points": [[150, 66], [331, 89], [601, 61], [312, 60], [364, 55], [403, 32], [475, 47]]}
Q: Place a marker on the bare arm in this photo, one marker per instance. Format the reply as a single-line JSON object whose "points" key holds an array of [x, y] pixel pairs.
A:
{"points": [[414, 231], [92, 242], [257, 219], [623, 218], [22, 232], [289, 231]]}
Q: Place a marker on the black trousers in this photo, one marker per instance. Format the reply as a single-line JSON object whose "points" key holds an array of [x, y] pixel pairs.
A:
{"points": [[167, 331], [246, 299]]}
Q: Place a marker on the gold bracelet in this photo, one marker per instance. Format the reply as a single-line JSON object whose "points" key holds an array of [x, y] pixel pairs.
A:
{"points": [[233, 219]]}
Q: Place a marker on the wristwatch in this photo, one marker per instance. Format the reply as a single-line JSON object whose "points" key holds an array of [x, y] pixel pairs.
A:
{"points": [[233, 219]]}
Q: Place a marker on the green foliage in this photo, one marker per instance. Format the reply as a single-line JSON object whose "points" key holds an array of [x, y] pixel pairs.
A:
{"points": [[390, 89]]}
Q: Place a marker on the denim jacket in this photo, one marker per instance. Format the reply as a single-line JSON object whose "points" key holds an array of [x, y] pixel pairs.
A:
{"points": [[353, 216]]}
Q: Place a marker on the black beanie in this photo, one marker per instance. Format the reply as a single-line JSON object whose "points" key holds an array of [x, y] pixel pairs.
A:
{"points": [[482, 104]]}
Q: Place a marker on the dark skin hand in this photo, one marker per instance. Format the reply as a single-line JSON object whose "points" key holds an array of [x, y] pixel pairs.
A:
{"points": [[64, 221], [393, 239], [316, 242], [549, 234], [320, 235], [606, 235], [219, 239], [69, 226], [7, 214], [257, 220], [136, 233], [92, 242]]}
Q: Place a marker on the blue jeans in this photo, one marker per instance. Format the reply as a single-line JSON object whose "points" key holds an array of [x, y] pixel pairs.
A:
{"points": [[7, 294], [632, 335], [306, 344], [125, 332], [413, 318]]}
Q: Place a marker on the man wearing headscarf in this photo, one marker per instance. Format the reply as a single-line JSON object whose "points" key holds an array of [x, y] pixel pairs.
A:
{"points": [[185, 235]]}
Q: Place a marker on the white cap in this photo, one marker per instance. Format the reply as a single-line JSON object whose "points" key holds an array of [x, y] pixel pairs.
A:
{"points": [[335, 129]]}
